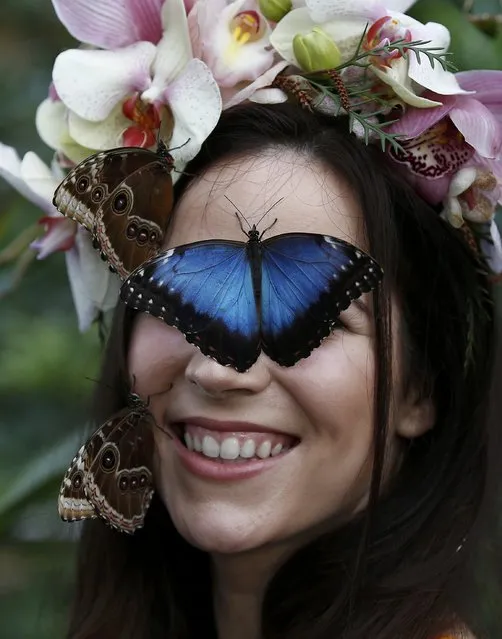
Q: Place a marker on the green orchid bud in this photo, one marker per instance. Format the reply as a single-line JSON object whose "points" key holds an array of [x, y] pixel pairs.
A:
{"points": [[275, 10], [316, 51]]}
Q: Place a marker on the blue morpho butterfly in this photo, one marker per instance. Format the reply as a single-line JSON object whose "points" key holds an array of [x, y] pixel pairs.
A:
{"points": [[282, 295]]}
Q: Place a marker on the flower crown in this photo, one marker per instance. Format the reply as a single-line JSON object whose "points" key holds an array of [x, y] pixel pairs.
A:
{"points": [[166, 69]]}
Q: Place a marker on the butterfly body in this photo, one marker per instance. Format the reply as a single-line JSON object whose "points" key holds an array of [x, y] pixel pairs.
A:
{"points": [[232, 299], [110, 476], [123, 197]]}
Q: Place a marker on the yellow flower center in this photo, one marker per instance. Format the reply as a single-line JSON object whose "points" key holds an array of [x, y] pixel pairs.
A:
{"points": [[246, 27]]}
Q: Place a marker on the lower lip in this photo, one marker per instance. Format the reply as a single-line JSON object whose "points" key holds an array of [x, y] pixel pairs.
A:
{"points": [[209, 468]]}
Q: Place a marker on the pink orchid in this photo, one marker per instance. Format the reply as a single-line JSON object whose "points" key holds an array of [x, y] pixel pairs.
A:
{"points": [[466, 130], [111, 24], [232, 39], [94, 288], [147, 76]]}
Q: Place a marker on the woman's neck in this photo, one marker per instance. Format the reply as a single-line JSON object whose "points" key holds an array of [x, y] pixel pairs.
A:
{"points": [[239, 583]]}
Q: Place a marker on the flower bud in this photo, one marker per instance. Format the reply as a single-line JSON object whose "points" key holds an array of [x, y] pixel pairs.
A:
{"points": [[275, 10], [316, 51]]}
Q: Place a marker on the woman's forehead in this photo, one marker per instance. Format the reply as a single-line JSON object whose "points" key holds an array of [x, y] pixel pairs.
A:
{"points": [[302, 195]]}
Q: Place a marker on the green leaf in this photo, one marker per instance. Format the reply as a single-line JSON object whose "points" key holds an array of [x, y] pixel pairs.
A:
{"points": [[472, 49]]}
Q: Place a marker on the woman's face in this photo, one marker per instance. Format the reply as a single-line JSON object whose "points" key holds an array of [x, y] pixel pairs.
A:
{"points": [[320, 410]]}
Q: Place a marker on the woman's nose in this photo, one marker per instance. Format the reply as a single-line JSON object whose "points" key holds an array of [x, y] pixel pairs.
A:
{"points": [[213, 379]]}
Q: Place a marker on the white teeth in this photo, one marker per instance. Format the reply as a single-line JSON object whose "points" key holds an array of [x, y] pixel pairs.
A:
{"points": [[210, 446], [229, 448], [248, 449], [264, 449], [188, 441]]}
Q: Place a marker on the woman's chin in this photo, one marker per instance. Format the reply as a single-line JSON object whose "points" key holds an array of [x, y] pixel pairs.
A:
{"points": [[217, 536]]}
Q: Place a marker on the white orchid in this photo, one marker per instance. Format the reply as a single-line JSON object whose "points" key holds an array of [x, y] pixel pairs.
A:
{"points": [[232, 38], [345, 24], [120, 96], [93, 287]]}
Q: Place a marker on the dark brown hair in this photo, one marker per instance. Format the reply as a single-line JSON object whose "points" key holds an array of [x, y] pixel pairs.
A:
{"points": [[393, 571]]}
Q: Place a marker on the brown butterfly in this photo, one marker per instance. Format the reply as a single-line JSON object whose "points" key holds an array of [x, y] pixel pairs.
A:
{"points": [[123, 197], [110, 475]]}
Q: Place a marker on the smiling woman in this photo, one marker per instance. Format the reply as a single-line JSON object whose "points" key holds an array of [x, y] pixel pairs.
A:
{"points": [[334, 497]]}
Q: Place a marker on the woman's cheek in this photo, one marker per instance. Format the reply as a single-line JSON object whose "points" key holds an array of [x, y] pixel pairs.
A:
{"points": [[156, 355]]}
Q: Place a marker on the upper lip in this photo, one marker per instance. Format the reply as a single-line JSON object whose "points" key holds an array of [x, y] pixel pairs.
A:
{"points": [[228, 427]]}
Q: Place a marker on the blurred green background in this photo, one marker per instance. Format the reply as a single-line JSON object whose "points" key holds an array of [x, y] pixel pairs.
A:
{"points": [[46, 366]]}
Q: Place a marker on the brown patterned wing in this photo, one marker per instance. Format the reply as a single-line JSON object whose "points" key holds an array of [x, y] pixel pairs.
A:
{"points": [[119, 482], [73, 504], [124, 198]]}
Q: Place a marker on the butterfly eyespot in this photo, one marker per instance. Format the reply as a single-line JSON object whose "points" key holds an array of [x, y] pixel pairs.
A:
{"points": [[108, 460], [143, 481], [103, 256], [82, 184], [142, 237], [120, 202], [112, 269], [95, 243], [153, 237], [134, 482], [132, 230], [123, 483], [97, 194], [76, 482]]}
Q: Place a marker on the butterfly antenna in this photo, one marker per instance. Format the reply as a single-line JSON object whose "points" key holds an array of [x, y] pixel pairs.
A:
{"points": [[175, 148]]}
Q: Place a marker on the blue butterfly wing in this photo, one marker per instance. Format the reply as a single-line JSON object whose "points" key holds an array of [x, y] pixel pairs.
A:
{"points": [[307, 280], [205, 290]]}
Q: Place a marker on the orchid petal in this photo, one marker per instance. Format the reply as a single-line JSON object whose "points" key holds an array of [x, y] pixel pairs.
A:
{"points": [[265, 80], [91, 83], [346, 33], [415, 121], [111, 24], [10, 170], [488, 88], [462, 180], [93, 286], [59, 236], [146, 16], [39, 177], [478, 126], [269, 96], [396, 76], [174, 50], [101, 136], [232, 62], [324, 10], [195, 101], [493, 250]]}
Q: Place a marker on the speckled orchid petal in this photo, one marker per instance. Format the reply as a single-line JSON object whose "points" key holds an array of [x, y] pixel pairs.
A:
{"points": [[324, 10], [174, 50], [478, 126], [91, 83], [346, 33], [232, 62], [11, 171], [249, 92], [111, 24], [101, 136], [92, 285], [195, 100]]}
